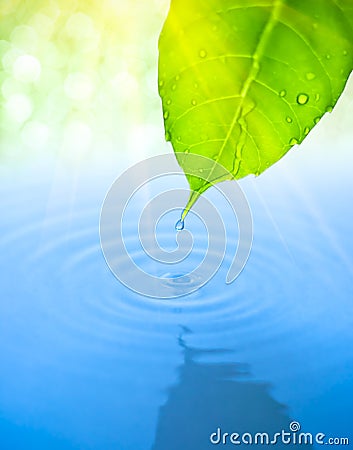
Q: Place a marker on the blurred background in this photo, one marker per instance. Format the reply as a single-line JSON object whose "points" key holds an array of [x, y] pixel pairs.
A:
{"points": [[79, 78]]}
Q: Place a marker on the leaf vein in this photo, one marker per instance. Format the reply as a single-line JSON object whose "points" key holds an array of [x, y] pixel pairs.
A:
{"points": [[290, 27], [205, 61], [213, 100], [283, 99]]}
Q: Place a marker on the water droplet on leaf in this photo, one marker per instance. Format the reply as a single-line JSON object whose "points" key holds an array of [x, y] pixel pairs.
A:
{"points": [[193, 102], [317, 120], [168, 101], [293, 141], [310, 76], [166, 115], [329, 109], [306, 130], [203, 53], [289, 119], [302, 99], [174, 87], [283, 93], [177, 78]]}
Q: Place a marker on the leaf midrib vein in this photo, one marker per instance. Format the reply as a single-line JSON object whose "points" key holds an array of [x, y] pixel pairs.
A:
{"points": [[256, 56]]}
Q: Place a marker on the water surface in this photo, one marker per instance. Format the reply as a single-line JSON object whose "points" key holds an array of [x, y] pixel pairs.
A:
{"points": [[88, 364]]}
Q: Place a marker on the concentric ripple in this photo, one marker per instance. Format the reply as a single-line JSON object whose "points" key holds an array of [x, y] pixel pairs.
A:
{"points": [[121, 197], [57, 285]]}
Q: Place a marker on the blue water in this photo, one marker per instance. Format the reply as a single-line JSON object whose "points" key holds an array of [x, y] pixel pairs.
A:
{"points": [[88, 364]]}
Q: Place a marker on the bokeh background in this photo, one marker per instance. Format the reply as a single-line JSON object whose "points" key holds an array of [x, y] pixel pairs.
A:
{"points": [[79, 78], [85, 363]]}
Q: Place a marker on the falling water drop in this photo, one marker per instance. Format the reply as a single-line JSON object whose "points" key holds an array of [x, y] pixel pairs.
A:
{"points": [[179, 226]]}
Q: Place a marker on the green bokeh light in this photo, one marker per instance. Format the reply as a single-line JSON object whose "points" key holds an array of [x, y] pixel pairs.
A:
{"points": [[78, 77]]}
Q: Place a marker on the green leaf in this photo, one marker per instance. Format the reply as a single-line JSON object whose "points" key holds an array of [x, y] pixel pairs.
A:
{"points": [[242, 81]]}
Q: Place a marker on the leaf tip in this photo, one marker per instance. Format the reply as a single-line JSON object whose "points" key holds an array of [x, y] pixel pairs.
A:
{"points": [[192, 200]]}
